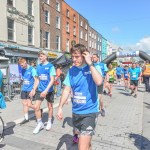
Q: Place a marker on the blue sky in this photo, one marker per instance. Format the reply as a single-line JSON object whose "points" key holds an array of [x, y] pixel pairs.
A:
{"points": [[123, 22]]}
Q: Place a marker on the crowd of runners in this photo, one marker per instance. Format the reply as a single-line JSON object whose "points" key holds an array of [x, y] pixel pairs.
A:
{"points": [[86, 82]]}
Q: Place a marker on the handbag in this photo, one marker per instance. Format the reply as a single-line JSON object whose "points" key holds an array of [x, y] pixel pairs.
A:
{"points": [[2, 101]]}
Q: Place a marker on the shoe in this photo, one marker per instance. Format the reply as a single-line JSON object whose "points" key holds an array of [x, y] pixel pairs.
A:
{"points": [[104, 92], [102, 112], [75, 138], [135, 95], [39, 127], [48, 126], [131, 92], [23, 122]]}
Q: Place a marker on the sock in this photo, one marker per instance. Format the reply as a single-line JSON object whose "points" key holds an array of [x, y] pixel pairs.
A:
{"points": [[26, 116], [49, 120], [39, 120]]}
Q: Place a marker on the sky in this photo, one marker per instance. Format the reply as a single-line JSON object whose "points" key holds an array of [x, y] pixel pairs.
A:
{"points": [[125, 23]]}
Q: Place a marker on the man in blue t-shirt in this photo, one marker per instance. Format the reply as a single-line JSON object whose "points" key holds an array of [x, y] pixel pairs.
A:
{"points": [[119, 72], [134, 77], [29, 77], [82, 79], [46, 74], [126, 77], [101, 67]]}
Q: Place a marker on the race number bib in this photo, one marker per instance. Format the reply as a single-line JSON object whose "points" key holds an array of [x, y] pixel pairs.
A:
{"points": [[43, 77], [26, 82]]}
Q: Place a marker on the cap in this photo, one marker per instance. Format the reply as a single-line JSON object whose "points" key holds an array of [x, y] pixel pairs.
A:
{"points": [[43, 52]]}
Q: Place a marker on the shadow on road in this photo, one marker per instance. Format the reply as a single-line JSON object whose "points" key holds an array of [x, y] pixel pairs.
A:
{"points": [[9, 128], [126, 94], [147, 105], [67, 120], [141, 142], [67, 140], [2, 145]]}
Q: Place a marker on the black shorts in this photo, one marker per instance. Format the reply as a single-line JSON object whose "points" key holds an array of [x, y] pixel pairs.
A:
{"points": [[111, 81], [25, 95], [134, 82], [100, 89], [85, 124], [49, 97], [118, 76], [126, 78]]}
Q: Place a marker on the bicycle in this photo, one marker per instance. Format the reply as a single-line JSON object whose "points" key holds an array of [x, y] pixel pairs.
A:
{"points": [[1, 129]]}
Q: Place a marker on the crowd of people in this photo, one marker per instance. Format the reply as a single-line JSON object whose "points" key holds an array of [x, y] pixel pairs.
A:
{"points": [[86, 82]]}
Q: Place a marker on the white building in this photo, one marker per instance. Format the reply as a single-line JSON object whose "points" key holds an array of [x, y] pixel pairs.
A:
{"points": [[19, 29]]}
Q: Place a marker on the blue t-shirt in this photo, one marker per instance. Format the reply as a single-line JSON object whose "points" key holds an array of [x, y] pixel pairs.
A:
{"points": [[45, 71], [1, 78], [119, 70], [134, 73], [84, 90], [125, 73], [28, 78]]}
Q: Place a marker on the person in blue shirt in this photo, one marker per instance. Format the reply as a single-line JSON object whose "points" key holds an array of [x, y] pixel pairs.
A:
{"points": [[28, 77], [103, 69], [134, 77], [46, 76], [119, 74], [126, 77], [82, 79], [140, 70]]}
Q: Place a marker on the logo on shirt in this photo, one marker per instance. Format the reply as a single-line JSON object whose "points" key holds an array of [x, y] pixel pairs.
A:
{"points": [[86, 73], [47, 68]]}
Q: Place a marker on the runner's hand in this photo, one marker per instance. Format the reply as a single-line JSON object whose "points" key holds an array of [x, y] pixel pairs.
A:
{"points": [[87, 57], [43, 94], [59, 114]]}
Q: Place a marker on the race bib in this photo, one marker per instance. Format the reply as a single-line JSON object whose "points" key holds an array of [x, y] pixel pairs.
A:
{"points": [[26, 82], [43, 77], [78, 98]]}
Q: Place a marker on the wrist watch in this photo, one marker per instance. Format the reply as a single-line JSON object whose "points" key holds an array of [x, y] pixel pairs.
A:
{"points": [[90, 65]]}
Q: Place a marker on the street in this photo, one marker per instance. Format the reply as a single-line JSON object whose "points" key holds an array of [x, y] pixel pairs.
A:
{"points": [[121, 128]]}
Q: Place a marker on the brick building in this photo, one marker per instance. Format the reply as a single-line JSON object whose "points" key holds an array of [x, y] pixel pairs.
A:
{"points": [[83, 30], [50, 24], [70, 26]]}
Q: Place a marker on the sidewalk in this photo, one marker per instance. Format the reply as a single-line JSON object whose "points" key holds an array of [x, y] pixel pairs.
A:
{"points": [[121, 129]]}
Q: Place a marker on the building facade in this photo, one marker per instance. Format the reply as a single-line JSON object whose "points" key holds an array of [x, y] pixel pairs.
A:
{"points": [[99, 46], [20, 29], [104, 48], [92, 40], [50, 24], [70, 27], [83, 30]]}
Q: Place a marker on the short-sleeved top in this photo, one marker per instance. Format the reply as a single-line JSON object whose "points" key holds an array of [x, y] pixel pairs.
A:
{"points": [[28, 78], [45, 71], [84, 90], [119, 70], [125, 73], [134, 73], [111, 74]]}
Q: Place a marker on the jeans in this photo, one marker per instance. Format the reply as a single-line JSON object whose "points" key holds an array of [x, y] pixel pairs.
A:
{"points": [[58, 87], [146, 81]]}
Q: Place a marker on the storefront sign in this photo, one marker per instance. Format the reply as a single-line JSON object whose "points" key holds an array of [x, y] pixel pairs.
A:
{"points": [[52, 55], [5, 45], [127, 54]]}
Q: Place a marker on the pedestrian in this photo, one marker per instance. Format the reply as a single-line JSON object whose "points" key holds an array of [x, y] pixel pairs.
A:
{"points": [[119, 74], [28, 77], [126, 77], [103, 69], [134, 74], [82, 79], [46, 74], [146, 75]]}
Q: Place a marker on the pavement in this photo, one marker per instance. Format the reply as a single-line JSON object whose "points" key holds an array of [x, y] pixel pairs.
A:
{"points": [[125, 126]]}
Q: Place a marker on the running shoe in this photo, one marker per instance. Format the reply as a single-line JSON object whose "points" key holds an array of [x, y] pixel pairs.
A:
{"points": [[75, 138], [24, 121], [48, 126], [102, 112], [39, 127], [131, 92]]}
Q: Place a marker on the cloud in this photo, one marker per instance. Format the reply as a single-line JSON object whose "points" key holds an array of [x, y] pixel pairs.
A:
{"points": [[143, 45], [115, 30]]}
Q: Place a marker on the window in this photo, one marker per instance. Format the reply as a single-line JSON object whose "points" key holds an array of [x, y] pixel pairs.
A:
{"points": [[67, 45], [57, 22], [74, 30], [90, 33], [90, 44], [86, 37], [81, 23], [46, 1], [67, 27], [57, 6], [11, 30], [58, 42], [10, 2], [74, 18], [95, 37], [30, 35], [95, 46], [98, 48], [30, 7], [67, 13], [98, 38], [47, 45], [81, 34], [86, 26], [47, 17]]}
